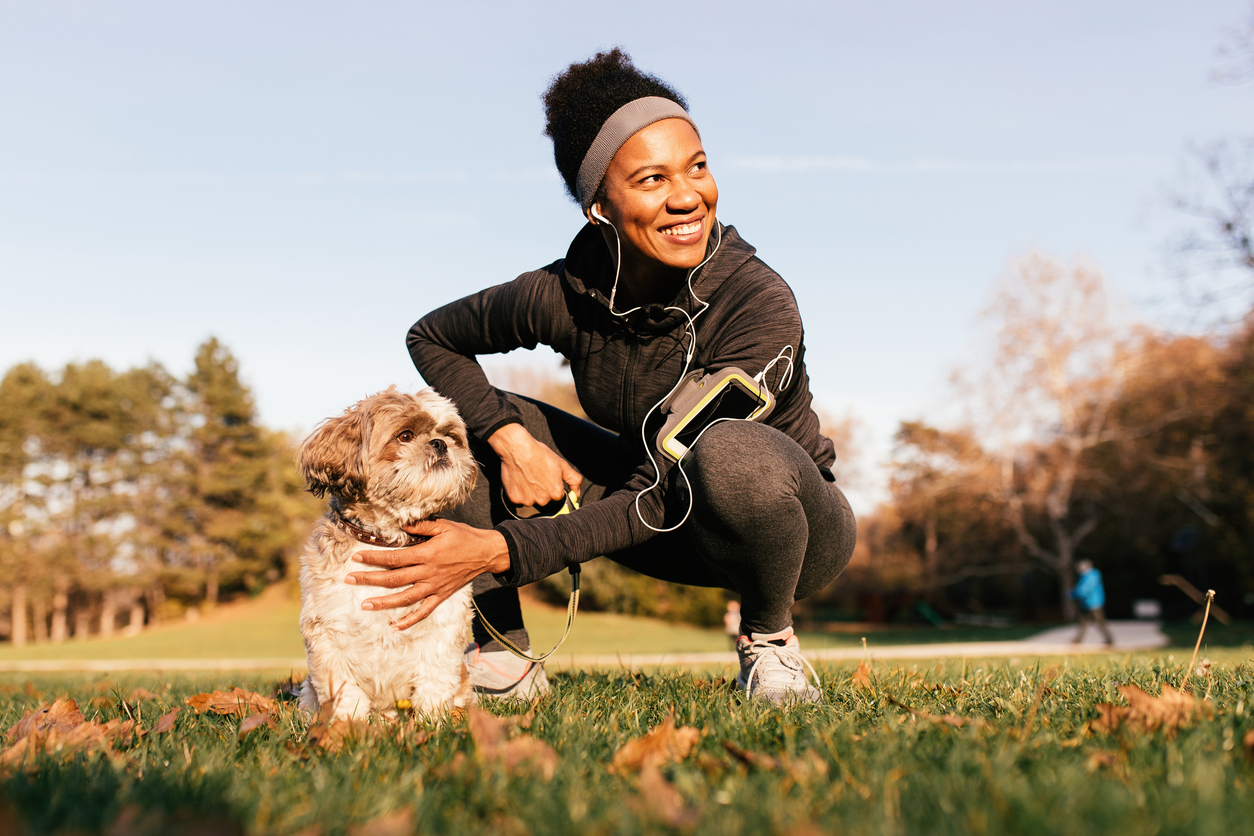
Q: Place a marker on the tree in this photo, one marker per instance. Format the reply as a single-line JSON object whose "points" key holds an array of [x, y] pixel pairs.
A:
{"points": [[1059, 362]]}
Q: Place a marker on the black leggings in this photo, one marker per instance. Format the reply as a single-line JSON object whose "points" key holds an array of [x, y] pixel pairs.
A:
{"points": [[766, 523]]}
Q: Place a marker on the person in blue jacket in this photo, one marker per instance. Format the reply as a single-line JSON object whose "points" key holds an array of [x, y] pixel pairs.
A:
{"points": [[1091, 596]]}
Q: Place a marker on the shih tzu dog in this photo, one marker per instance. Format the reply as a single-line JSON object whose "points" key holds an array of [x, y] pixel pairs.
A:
{"points": [[388, 461]]}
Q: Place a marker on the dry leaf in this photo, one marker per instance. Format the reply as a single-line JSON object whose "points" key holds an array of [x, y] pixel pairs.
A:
{"points": [[1149, 713], [660, 800], [166, 721], [754, 759], [140, 694], [799, 770], [397, 823], [1097, 760], [662, 745], [254, 722], [237, 701], [942, 719], [331, 734], [63, 715], [1248, 743], [491, 743], [53, 739], [862, 677]]}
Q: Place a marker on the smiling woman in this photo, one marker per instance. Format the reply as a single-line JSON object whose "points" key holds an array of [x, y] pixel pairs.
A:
{"points": [[658, 308]]}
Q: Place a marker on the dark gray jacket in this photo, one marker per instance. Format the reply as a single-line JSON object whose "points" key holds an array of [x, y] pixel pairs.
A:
{"points": [[621, 369]]}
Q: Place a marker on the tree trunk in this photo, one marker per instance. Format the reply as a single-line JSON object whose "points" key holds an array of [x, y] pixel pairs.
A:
{"points": [[18, 635], [39, 615], [108, 613], [60, 610], [135, 623], [82, 623], [211, 590], [1065, 557], [931, 559], [156, 597]]}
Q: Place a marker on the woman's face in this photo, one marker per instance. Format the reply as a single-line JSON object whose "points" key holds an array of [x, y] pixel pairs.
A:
{"points": [[660, 196]]}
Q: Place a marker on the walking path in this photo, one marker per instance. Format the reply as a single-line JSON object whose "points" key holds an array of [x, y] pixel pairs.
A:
{"points": [[1128, 635]]}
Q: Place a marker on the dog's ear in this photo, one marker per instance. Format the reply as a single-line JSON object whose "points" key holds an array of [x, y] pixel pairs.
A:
{"points": [[333, 457]]}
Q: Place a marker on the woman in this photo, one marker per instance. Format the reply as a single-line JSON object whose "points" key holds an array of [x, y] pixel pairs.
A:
{"points": [[652, 289]]}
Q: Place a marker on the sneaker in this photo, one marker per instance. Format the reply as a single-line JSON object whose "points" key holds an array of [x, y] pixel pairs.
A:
{"points": [[499, 674], [772, 668]]}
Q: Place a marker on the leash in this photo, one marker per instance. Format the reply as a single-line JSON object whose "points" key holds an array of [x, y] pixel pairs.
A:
{"points": [[571, 503]]}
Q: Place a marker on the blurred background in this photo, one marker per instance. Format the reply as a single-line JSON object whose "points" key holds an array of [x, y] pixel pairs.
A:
{"points": [[1020, 237]]}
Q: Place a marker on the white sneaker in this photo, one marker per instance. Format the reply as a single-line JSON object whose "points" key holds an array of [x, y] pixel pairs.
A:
{"points": [[772, 668], [499, 674]]}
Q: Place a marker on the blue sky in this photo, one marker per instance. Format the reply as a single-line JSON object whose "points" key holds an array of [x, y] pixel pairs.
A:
{"points": [[304, 180]]}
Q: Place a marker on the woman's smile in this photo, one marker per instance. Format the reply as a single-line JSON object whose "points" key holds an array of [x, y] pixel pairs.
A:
{"points": [[660, 197]]}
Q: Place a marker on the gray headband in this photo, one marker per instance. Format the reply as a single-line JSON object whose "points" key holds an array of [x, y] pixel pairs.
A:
{"points": [[620, 127]]}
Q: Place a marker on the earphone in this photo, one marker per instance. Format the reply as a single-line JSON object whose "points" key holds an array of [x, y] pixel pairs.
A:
{"points": [[689, 352]]}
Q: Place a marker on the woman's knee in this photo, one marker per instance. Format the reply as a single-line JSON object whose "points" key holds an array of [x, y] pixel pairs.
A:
{"points": [[738, 467]]}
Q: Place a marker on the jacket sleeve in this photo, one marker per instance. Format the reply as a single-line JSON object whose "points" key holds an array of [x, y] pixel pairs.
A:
{"points": [[759, 318], [444, 343]]}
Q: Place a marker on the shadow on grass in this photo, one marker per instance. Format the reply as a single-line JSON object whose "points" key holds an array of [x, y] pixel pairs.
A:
{"points": [[1236, 634]]}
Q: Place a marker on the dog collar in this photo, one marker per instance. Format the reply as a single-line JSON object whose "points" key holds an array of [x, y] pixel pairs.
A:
{"points": [[371, 539]]}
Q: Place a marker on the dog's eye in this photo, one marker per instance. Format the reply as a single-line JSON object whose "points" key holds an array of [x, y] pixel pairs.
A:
{"points": [[405, 437]]}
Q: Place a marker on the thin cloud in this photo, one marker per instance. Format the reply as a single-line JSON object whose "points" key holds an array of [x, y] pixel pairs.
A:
{"points": [[862, 165]]}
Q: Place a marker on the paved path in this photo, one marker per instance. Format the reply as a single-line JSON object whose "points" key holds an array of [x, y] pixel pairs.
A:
{"points": [[1129, 635]]}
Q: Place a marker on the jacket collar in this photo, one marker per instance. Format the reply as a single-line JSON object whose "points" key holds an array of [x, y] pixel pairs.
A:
{"points": [[589, 271]]}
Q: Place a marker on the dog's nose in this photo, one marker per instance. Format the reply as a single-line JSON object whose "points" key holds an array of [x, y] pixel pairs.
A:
{"points": [[441, 449]]}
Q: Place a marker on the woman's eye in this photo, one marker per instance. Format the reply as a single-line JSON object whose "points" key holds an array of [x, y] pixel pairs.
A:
{"points": [[405, 437]]}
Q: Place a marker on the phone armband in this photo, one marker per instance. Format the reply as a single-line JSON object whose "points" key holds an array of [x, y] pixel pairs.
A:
{"points": [[702, 399]]}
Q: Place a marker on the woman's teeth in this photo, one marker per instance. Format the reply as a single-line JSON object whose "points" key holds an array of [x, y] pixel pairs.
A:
{"points": [[683, 229]]}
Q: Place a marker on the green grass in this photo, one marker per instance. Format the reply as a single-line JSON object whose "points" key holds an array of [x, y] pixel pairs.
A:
{"points": [[268, 628], [881, 770]]}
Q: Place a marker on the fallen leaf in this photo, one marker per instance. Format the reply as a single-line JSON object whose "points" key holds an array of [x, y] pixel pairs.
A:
{"points": [[489, 735], [862, 677], [1248, 743], [942, 719], [63, 715], [1148, 713], [660, 800], [166, 721], [330, 734], [140, 694], [53, 739], [254, 722], [1097, 760], [799, 770], [236, 701], [663, 744], [397, 823], [754, 759]]}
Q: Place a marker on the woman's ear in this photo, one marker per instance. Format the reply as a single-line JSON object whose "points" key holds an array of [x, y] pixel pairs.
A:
{"points": [[333, 457]]}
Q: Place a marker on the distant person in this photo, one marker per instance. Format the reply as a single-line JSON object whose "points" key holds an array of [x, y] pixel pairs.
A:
{"points": [[654, 297], [1091, 596], [731, 621]]}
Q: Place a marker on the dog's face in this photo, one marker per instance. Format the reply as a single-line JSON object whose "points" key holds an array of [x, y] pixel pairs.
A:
{"points": [[403, 454]]}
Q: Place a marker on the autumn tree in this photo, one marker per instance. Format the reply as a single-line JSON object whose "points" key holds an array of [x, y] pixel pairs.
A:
{"points": [[1060, 358]]}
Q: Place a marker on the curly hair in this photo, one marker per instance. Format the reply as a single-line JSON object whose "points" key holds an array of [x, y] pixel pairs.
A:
{"points": [[580, 99]]}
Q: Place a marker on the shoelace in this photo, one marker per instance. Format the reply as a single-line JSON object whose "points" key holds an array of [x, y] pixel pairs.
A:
{"points": [[788, 657]]}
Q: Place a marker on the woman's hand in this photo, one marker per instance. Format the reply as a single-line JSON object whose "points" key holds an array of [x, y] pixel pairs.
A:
{"points": [[433, 570], [531, 473]]}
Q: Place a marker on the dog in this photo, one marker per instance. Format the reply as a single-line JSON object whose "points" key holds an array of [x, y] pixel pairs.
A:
{"points": [[388, 461]]}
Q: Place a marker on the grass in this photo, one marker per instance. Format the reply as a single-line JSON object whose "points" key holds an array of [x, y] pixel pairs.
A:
{"points": [[868, 765], [267, 627]]}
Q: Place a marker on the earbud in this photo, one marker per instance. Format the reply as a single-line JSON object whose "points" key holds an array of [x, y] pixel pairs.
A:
{"points": [[596, 213]]}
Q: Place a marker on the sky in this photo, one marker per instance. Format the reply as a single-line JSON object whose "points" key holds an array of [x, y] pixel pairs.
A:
{"points": [[305, 180]]}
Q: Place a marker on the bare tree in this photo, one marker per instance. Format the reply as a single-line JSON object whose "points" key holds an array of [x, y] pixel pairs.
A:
{"points": [[1061, 356], [1218, 195]]}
